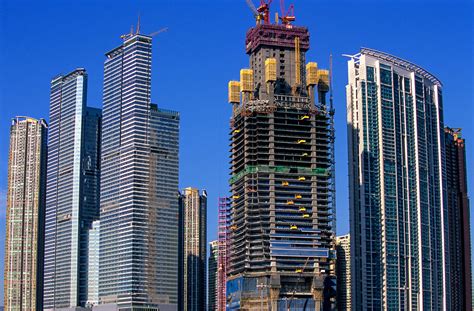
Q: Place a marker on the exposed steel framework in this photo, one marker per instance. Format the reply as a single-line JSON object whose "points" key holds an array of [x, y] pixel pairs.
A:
{"points": [[281, 230]]}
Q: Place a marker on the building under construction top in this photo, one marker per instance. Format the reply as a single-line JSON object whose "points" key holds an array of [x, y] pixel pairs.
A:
{"points": [[282, 177]]}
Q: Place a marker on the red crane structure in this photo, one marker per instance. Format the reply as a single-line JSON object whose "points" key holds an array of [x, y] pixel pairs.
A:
{"points": [[287, 16]]}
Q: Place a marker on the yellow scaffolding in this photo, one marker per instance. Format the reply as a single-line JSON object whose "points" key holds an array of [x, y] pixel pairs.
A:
{"points": [[311, 73], [246, 80], [270, 69], [234, 92]]}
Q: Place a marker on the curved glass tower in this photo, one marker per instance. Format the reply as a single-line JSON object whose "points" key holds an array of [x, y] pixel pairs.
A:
{"points": [[397, 185]]}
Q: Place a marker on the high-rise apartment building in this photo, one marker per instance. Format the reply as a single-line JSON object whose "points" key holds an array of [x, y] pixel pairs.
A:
{"points": [[343, 272], [282, 243], [24, 241], [396, 185], [458, 219], [139, 186], [192, 250], [212, 276], [72, 191]]}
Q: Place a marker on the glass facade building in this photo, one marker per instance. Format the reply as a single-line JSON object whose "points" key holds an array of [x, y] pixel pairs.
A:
{"points": [[396, 185], [24, 241], [72, 190], [139, 186], [192, 250]]}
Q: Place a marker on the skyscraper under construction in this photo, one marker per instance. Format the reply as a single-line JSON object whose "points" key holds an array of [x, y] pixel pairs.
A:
{"points": [[282, 182]]}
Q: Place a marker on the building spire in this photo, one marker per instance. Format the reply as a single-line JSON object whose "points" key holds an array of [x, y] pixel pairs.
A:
{"points": [[138, 24]]}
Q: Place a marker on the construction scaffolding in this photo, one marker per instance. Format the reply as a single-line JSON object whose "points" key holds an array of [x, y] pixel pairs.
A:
{"points": [[222, 256], [281, 229]]}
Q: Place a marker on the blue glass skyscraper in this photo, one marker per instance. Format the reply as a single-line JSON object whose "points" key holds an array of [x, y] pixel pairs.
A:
{"points": [[139, 186], [396, 185], [71, 192]]}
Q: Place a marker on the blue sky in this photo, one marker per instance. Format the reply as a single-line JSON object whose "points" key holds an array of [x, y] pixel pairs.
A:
{"points": [[204, 49]]}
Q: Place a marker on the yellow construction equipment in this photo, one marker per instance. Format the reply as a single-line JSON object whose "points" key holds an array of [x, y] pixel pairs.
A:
{"points": [[302, 209], [301, 141], [304, 117], [234, 92], [290, 202], [298, 196], [293, 227], [305, 154], [236, 131], [270, 69], [246, 80], [284, 183], [235, 196], [311, 73], [305, 215], [301, 178], [299, 270], [323, 76]]}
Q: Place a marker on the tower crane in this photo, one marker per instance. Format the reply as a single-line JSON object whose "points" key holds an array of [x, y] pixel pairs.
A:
{"points": [[137, 32], [287, 16], [262, 12], [158, 32]]}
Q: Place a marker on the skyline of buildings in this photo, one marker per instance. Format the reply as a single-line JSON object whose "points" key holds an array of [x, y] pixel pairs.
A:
{"points": [[24, 240], [282, 204], [71, 190]]}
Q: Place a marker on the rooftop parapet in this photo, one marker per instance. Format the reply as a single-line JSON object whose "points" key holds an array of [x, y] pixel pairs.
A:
{"points": [[276, 36]]}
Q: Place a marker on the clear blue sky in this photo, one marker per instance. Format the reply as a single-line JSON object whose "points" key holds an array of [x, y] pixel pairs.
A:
{"points": [[204, 49]]}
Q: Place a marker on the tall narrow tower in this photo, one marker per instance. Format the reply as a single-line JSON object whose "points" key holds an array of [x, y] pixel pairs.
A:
{"points": [[192, 249], [397, 185], [282, 224], [71, 192], [139, 185], [459, 238], [223, 238], [212, 275], [24, 241], [343, 272]]}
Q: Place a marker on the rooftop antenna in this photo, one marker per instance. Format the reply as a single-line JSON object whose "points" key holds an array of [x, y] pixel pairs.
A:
{"points": [[138, 24]]}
